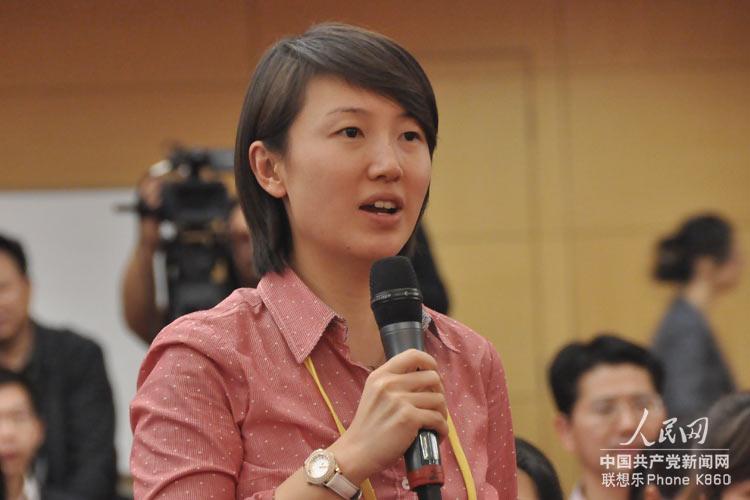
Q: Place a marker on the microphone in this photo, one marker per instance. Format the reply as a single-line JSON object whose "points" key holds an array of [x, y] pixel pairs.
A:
{"points": [[396, 302]]}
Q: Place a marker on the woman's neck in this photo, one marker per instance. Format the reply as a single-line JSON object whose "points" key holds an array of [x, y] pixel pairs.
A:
{"points": [[343, 284], [699, 294], [14, 487]]}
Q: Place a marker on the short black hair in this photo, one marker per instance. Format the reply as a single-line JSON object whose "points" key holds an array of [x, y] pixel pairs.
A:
{"points": [[14, 249], [705, 235], [578, 358], [532, 461], [275, 97], [9, 377]]}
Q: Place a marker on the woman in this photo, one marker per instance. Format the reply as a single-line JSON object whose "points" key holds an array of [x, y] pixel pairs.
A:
{"points": [[333, 161], [702, 259], [537, 478]]}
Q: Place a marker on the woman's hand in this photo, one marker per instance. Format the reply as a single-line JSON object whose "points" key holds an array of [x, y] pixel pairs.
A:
{"points": [[401, 397]]}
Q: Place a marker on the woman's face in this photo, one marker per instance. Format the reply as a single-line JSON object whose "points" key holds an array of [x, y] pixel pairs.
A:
{"points": [[727, 275], [526, 487], [355, 173]]}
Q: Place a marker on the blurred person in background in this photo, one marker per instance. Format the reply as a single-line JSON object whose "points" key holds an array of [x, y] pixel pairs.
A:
{"points": [[728, 433], [601, 389], [537, 479], [702, 260], [21, 435], [728, 429], [142, 313], [73, 392]]}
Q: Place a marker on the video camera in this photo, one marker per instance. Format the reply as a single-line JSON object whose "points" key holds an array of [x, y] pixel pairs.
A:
{"points": [[200, 270]]}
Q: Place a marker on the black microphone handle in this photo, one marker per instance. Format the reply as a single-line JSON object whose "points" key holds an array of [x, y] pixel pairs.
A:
{"points": [[424, 451], [400, 337], [429, 492], [423, 462]]}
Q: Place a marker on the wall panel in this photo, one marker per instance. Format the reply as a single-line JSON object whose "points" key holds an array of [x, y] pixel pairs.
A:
{"points": [[88, 42], [96, 139], [651, 144]]}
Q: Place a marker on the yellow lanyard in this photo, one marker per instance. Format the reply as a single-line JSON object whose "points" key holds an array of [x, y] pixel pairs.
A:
{"points": [[367, 491]]}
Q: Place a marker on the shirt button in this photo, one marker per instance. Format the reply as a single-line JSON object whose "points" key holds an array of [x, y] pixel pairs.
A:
{"points": [[405, 483]]}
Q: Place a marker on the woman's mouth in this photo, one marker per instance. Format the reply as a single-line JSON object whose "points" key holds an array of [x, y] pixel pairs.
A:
{"points": [[381, 207]]}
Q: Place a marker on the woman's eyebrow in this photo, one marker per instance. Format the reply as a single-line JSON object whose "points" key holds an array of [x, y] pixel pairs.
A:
{"points": [[361, 111], [349, 109]]}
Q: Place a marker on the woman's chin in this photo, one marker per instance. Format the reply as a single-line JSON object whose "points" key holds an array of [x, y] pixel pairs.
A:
{"points": [[375, 252]]}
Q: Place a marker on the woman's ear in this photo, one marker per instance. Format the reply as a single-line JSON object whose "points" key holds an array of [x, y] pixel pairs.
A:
{"points": [[704, 267], [266, 166]]}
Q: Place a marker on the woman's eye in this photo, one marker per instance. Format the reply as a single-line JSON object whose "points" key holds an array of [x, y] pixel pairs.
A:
{"points": [[350, 132], [412, 136]]}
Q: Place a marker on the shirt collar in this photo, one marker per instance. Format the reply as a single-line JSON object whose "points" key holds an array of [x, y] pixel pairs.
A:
{"points": [[30, 488], [300, 315], [428, 324], [303, 318]]}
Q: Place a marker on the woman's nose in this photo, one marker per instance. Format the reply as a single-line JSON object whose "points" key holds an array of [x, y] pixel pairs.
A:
{"points": [[384, 162]]}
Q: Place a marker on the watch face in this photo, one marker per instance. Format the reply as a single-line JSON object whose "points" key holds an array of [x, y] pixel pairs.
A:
{"points": [[319, 467]]}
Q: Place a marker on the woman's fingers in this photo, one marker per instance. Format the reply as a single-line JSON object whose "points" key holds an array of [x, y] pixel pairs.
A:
{"points": [[409, 361], [424, 381], [418, 418], [428, 401], [402, 396]]}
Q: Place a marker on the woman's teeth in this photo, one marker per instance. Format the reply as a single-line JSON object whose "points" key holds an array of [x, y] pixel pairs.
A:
{"points": [[389, 205], [380, 206]]}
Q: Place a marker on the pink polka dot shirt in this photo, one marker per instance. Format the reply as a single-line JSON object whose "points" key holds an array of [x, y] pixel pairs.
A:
{"points": [[225, 408]]}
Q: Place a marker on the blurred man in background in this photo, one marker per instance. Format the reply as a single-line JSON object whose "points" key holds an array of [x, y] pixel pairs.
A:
{"points": [[601, 390], [71, 386], [21, 435], [143, 314]]}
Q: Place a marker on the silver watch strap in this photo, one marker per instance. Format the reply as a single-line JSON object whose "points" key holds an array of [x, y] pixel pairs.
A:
{"points": [[342, 486]]}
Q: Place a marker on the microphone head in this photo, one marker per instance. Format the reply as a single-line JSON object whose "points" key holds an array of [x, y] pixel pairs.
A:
{"points": [[394, 291]]}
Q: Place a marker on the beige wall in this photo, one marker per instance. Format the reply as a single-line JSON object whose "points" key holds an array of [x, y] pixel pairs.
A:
{"points": [[573, 134]]}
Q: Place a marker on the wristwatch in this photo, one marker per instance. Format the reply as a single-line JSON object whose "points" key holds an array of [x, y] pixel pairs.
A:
{"points": [[321, 469]]}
